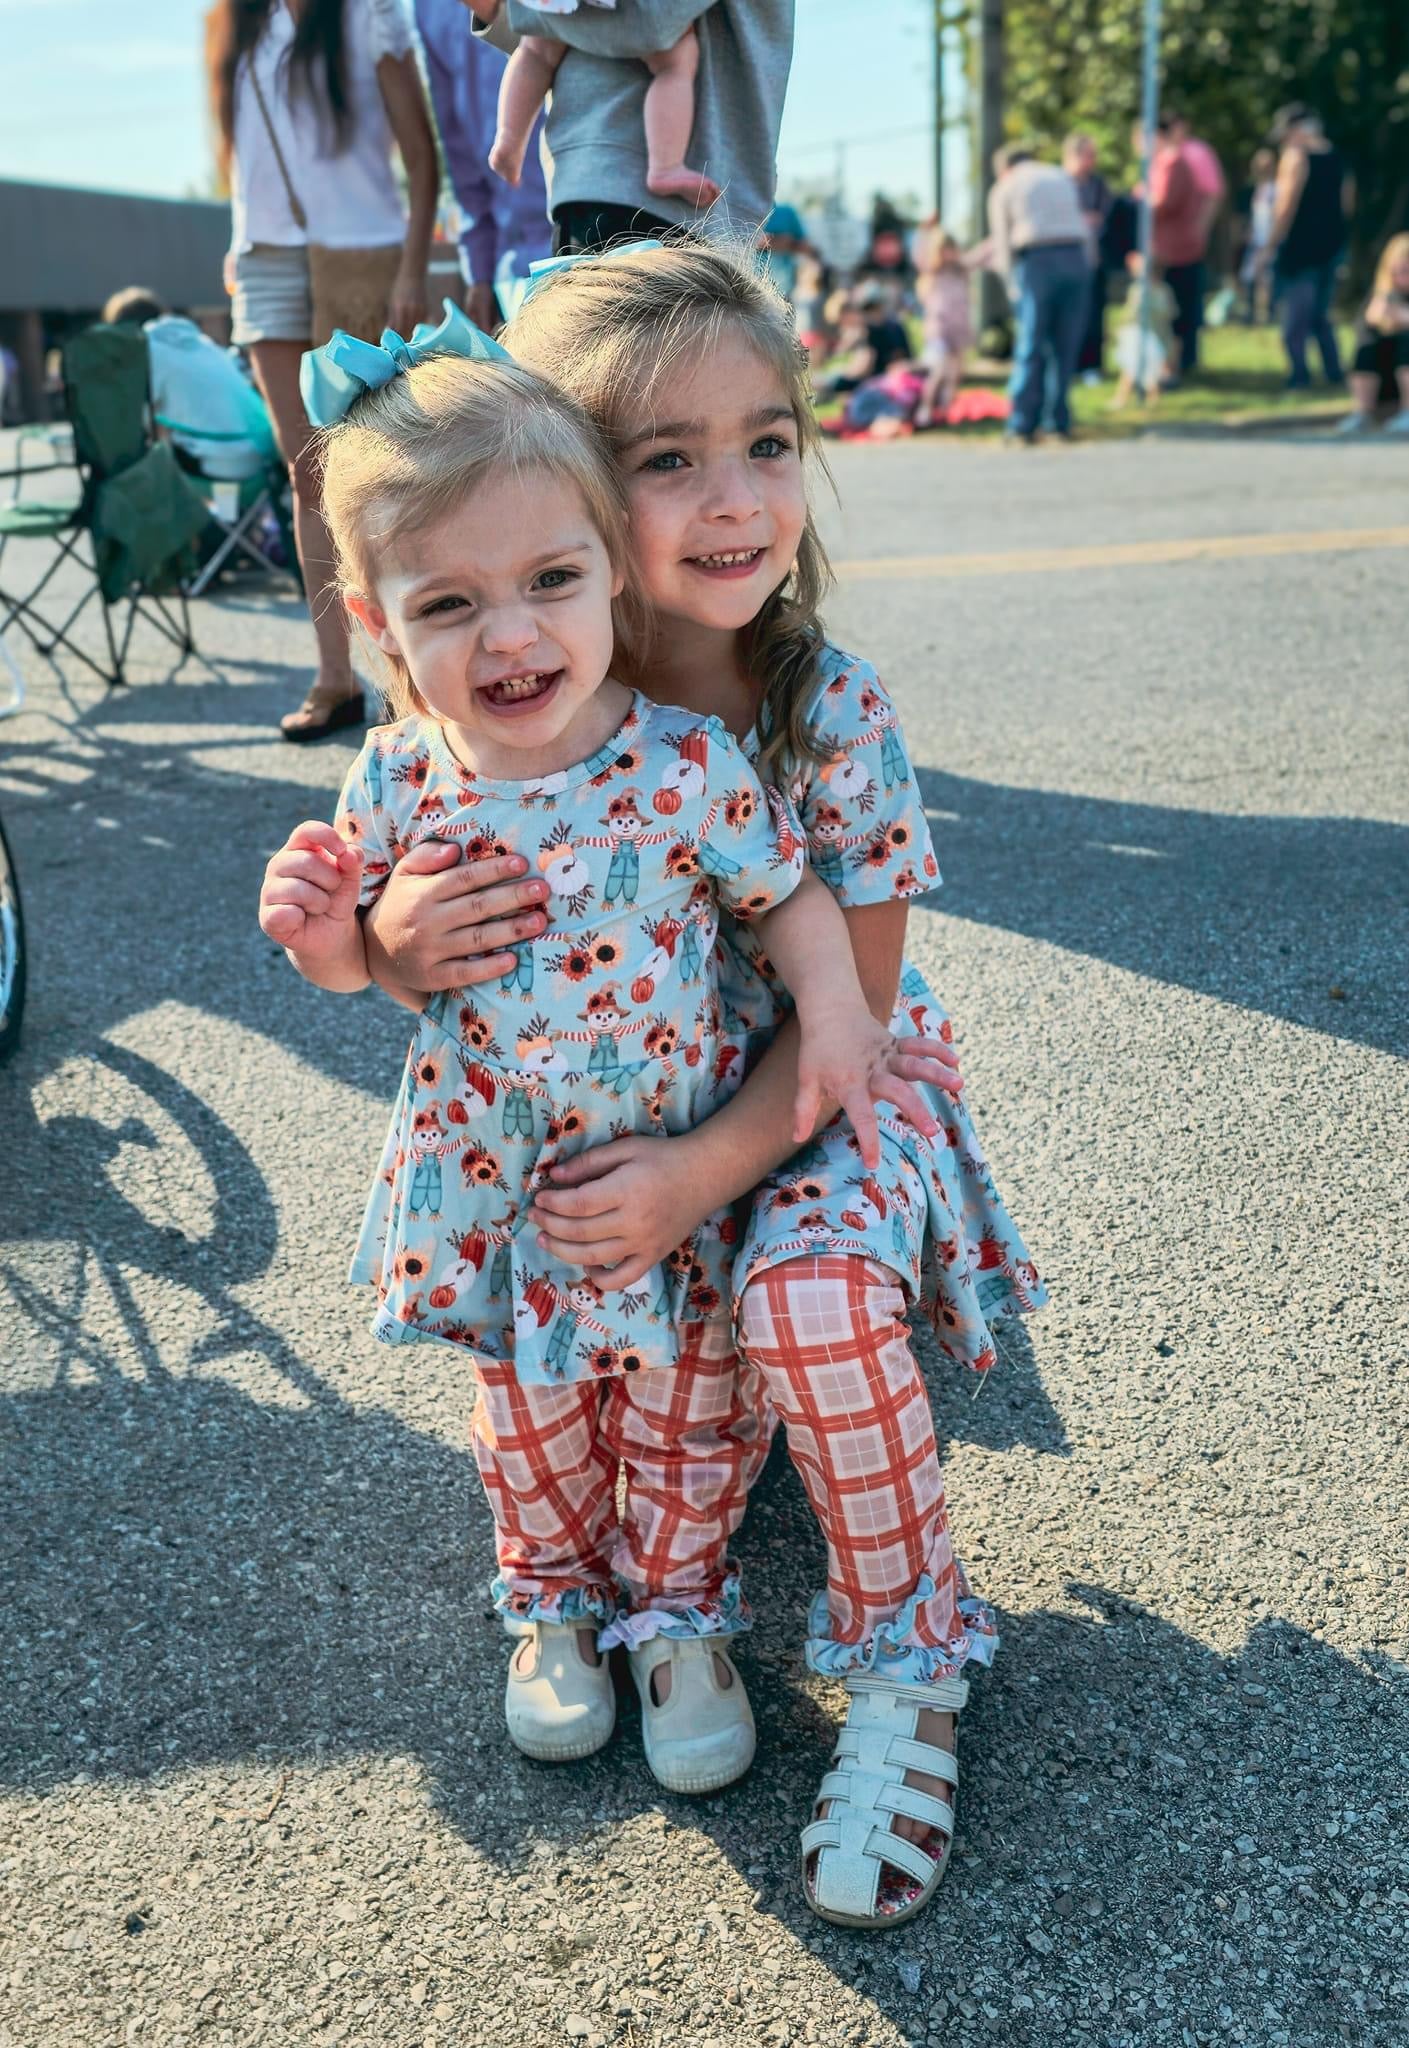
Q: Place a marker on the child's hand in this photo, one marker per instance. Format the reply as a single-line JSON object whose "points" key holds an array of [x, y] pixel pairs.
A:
{"points": [[310, 891], [847, 1055]]}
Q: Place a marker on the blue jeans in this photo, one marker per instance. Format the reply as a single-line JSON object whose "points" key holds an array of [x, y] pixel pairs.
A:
{"points": [[1053, 288], [1306, 316]]}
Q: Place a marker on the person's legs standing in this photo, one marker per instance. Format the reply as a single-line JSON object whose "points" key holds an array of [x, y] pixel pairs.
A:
{"points": [[1186, 282], [549, 1476], [1029, 344], [1092, 354], [276, 368], [1323, 326], [1298, 296], [829, 1337], [1070, 287], [692, 1438]]}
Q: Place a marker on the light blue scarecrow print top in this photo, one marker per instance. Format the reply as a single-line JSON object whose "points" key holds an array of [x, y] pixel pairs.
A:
{"points": [[607, 1024]]}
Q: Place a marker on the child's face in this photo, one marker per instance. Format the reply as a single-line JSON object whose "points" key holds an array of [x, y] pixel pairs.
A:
{"points": [[1399, 275], [715, 481], [502, 613]]}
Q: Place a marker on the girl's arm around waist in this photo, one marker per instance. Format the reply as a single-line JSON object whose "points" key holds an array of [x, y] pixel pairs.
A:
{"points": [[619, 1209]]}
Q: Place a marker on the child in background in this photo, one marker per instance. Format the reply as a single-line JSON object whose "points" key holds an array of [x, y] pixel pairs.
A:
{"points": [[1254, 273], [481, 537], [1382, 343], [1145, 356], [669, 112], [942, 285]]}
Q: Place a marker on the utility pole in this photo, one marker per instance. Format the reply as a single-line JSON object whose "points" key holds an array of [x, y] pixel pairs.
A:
{"points": [[989, 137], [939, 29], [1147, 377]]}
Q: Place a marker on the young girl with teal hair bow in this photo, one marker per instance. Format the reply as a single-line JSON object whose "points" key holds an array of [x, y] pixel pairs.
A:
{"points": [[688, 361], [482, 543]]}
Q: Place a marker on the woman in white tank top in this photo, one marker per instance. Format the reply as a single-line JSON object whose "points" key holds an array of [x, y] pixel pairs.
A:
{"points": [[330, 87]]}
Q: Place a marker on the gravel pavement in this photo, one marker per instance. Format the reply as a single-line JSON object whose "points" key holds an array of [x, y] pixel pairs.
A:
{"points": [[255, 1786]]}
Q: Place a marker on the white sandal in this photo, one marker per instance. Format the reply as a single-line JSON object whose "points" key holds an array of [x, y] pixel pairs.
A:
{"points": [[855, 1845], [703, 1737], [557, 1706]]}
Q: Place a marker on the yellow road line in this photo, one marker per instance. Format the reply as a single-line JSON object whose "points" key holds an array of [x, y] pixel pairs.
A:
{"points": [[1042, 561]]}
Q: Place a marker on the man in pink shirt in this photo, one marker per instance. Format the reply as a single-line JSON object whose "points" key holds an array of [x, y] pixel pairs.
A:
{"points": [[1183, 209]]}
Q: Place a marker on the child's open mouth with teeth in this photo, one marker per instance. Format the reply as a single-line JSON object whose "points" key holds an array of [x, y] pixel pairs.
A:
{"points": [[737, 562], [521, 693]]}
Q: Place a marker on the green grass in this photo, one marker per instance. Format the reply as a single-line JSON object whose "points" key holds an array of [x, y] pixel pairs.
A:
{"points": [[1243, 371], [1243, 375]]}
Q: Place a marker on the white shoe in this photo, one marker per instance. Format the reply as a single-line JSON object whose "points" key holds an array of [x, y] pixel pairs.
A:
{"points": [[1355, 423], [1399, 424], [703, 1737], [557, 1706]]}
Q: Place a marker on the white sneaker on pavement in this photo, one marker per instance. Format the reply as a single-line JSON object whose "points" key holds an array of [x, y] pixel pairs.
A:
{"points": [[557, 1706], [702, 1738]]}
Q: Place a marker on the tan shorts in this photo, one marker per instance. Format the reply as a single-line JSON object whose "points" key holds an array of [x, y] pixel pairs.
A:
{"points": [[273, 301]]}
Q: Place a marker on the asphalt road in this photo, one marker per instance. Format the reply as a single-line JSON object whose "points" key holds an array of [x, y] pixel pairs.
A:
{"points": [[255, 1787]]}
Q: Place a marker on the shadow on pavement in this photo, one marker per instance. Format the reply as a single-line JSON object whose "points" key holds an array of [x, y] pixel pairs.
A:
{"points": [[200, 1577], [1269, 913]]}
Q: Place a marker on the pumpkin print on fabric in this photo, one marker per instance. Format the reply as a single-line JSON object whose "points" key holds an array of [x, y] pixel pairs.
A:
{"points": [[931, 1211], [609, 1023]]}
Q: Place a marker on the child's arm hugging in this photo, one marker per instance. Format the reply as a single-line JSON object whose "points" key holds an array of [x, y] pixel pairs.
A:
{"points": [[308, 905], [753, 845], [847, 1056]]}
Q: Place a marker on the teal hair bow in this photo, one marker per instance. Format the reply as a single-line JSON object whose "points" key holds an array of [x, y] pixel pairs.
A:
{"points": [[514, 292], [333, 377]]}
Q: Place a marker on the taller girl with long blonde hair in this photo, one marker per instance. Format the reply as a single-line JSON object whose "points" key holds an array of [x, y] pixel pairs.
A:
{"points": [[688, 360]]}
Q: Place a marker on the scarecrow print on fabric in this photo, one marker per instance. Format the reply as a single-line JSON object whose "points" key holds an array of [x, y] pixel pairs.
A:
{"points": [[607, 1024], [931, 1211]]}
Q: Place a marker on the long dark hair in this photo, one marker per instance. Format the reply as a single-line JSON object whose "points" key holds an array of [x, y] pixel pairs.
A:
{"points": [[317, 59]]}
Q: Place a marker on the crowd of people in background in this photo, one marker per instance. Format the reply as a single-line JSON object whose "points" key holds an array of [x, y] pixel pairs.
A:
{"points": [[313, 105]]}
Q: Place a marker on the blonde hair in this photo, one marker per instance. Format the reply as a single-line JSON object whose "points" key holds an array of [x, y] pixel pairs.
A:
{"points": [[408, 454], [610, 331], [1395, 250]]}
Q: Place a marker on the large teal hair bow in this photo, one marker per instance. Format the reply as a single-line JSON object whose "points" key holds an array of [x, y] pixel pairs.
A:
{"points": [[513, 292], [333, 377]]}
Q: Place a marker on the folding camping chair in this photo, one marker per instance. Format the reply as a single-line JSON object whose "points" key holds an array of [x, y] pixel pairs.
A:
{"points": [[256, 497], [138, 513]]}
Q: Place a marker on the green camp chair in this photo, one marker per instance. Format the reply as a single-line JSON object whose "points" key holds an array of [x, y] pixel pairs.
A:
{"points": [[138, 514], [258, 497]]}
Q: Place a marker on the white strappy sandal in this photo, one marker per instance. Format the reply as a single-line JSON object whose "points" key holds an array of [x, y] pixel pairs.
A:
{"points": [[855, 1845]]}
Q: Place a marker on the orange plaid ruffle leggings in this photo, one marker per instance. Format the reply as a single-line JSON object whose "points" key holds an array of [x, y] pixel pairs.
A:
{"points": [[825, 1349]]}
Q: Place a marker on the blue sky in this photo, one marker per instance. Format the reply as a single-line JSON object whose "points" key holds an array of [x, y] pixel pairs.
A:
{"points": [[88, 100]]}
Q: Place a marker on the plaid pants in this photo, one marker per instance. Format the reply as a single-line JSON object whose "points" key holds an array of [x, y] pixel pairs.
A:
{"points": [[828, 1336], [691, 1439]]}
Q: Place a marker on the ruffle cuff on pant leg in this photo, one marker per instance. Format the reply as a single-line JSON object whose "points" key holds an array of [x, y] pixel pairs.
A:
{"points": [[891, 1651], [723, 1613], [591, 1606]]}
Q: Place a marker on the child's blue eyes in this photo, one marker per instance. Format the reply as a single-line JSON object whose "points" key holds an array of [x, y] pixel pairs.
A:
{"points": [[669, 461], [546, 581]]}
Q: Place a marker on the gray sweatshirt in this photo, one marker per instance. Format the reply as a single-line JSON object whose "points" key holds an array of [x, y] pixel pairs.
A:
{"points": [[596, 141]]}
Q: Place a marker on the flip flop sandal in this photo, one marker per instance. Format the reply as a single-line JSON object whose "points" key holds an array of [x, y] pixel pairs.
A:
{"points": [[343, 711], [557, 1706], [856, 1871]]}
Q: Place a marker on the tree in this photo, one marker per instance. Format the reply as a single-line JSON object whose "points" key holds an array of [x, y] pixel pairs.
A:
{"points": [[1228, 65]]}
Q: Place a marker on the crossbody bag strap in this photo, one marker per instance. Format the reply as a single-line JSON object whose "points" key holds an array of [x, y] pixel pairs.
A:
{"points": [[295, 206]]}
